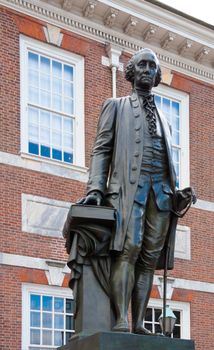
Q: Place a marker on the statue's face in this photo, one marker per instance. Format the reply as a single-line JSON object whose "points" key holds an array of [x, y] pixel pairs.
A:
{"points": [[145, 70]]}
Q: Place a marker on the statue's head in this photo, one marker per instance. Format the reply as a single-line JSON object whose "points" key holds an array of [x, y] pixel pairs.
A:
{"points": [[143, 70]]}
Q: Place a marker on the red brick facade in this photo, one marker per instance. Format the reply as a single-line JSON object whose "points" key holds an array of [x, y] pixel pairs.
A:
{"points": [[16, 180]]}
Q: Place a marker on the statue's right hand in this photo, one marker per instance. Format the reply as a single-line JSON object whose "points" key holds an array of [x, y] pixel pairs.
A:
{"points": [[93, 198]]}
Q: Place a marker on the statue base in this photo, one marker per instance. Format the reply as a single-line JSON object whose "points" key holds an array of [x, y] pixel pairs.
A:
{"points": [[126, 341]]}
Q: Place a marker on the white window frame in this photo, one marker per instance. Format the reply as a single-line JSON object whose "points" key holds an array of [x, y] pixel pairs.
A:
{"points": [[183, 99], [27, 289], [184, 309], [67, 57]]}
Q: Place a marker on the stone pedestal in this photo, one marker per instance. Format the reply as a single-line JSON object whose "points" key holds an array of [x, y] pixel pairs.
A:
{"points": [[94, 312], [127, 341]]}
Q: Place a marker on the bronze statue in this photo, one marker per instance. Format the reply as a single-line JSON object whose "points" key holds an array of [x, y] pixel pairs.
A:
{"points": [[132, 170]]}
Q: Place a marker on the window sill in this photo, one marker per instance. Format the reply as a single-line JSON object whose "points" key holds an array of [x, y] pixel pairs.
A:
{"points": [[53, 167]]}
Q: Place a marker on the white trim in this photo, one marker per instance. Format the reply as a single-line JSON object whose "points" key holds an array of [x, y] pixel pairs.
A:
{"points": [[184, 309], [183, 98], [26, 44], [41, 264], [100, 33], [204, 205], [47, 166], [29, 262], [28, 288]]}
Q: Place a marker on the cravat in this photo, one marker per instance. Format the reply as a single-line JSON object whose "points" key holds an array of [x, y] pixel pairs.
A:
{"points": [[149, 106]]}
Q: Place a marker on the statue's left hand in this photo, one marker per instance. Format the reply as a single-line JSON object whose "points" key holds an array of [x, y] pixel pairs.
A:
{"points": [[93, 198]]}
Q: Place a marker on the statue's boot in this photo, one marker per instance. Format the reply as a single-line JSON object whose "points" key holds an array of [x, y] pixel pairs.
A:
{"points": [[122, 282], [140, 298]]}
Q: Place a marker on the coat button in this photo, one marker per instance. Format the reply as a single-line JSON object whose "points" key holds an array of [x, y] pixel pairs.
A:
{"points": [[136, 154], [137, 127], [134, 167], [132, 181], [137, 140], [137, 115]]}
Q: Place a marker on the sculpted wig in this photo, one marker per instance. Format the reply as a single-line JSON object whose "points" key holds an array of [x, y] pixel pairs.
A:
{"points": [[129, 72]]}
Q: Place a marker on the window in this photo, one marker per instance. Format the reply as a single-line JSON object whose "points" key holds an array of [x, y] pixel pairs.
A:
{"points": [[151, 321], [48, 317], [52, 85], [175, 106], [181, 311]]}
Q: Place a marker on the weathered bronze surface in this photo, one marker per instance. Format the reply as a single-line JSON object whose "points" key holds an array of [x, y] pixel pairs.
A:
{"points": [[132, 171]]}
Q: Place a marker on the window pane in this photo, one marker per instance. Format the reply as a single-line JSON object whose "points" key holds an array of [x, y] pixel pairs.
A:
{"points": [[56, 139], [69, 323], [68, 141], [148, 326], [58, 321], [33, 132], [68, 72], [45, 119], [175, 155], [46, 320], [47, 303], [158, 328], [177, 315], [57, 69], [56, 122], [35, 336], [45, 98], [33, 60], [45, 82], [69, 306], [35, 319], [68, 106], [68, 125], [59, 304], [45, 65], [45, 151], [33, 94], [166, 105], [57, 86], [33, 115], [158, 101], [33, 77], [57, 102], [175, 137], [56, 154], [177, 332], [47, 337], [58, 338], [175, 108], [148, 316], [68, 157], [33, 148], [68, 89], [35, 302], [157, 314], [45, 136]]}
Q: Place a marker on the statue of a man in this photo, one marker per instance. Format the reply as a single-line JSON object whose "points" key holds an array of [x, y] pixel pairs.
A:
{"points": [[132, 170]]}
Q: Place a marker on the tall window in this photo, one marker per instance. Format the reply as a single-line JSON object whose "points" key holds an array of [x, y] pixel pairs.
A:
{"points": [[52, 103], [49, 317], [174, 105]]}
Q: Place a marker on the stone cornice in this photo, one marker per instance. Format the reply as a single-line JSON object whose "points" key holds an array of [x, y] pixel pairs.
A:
{"points": [[98, 31]]}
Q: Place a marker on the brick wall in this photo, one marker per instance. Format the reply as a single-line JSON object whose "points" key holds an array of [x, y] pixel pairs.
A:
{"points": [[15, 181]]}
